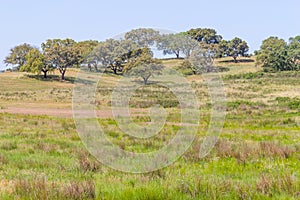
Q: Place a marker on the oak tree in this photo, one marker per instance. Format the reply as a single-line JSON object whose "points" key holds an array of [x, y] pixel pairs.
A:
{"points": [[143, 37], [144, 65], [36, 63], [273, 55], [17, 55], [61, 54], [113, 54]]}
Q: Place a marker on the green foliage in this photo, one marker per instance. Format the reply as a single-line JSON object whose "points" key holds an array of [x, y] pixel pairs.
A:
{"points": [[294, 52], [186, 68], [144, 65], [17, 55], [209, 39], [36, 63], [85, 48], [177, 44], [235, 47], [143, 37], [206, 35], [113, 54], [276, 55], [61, 54], [200, 61]]}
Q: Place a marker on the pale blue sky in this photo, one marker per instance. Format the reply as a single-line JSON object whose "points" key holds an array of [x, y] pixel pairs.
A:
{"points": [[34, 21]]}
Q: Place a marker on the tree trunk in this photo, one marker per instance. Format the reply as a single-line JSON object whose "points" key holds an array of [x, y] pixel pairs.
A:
{"points": [[207, 69], [235, 59], [96, 68], [145, 81], [63, 75], [113, 68], [177, 55], [188, 54], [63, 71], [45, 74]]}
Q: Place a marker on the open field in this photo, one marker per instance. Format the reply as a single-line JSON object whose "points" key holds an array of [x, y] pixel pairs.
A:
{"points": [[257, 155]]}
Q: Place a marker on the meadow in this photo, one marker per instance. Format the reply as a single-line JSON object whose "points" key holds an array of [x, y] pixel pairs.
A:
{"points": [[256, 157]]}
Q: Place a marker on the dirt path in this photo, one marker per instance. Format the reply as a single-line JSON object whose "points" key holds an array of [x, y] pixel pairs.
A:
{"points": [[64, 112], [69, 113], [50, 112]]}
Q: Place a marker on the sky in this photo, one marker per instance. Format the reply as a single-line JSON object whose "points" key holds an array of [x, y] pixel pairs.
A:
{"points": [[35, 21]]}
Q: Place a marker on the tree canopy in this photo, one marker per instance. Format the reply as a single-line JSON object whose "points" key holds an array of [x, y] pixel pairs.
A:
{"points": [[113, 54], [85, 48], [61, 54], [235, 47], [294, 52], [214, 45], [36, 63], [17, 55], [133, 52], [206, 35], [143, 37], [200, 61], [144, 65], [177, 44], [273, 55]]}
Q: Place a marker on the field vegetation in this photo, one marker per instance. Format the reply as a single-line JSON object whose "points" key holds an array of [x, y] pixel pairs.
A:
{"points": [[256, 157]]}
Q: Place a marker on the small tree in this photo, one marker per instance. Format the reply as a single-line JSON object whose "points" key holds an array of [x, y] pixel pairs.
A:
{"points": [[17, 55], [273, 54], [36, 63], [237, 47], [144, 66]]}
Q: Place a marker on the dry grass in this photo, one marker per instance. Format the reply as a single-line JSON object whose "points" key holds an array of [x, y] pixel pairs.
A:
{"points": [[40, 188], [87, 163], [270, 183]]}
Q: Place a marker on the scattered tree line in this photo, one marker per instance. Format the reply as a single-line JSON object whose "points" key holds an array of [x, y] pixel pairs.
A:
{"points": [[121, 56], [133, 55]]}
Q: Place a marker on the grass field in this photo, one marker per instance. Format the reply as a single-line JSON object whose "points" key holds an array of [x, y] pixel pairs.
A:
{"points": [[257, 155]]}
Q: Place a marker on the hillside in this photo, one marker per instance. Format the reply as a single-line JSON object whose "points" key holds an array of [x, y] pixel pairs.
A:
{"points": [[256, 157]]}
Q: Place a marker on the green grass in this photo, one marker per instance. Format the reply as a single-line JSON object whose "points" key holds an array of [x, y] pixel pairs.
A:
{"points": [[256, 157]]}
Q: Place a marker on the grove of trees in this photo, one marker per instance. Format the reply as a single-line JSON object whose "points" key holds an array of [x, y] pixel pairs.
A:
{"points": [[133, 54]]}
